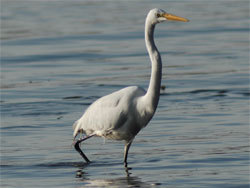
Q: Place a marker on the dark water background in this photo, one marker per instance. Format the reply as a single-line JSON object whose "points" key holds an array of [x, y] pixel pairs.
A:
{"points": [[57, 57]]}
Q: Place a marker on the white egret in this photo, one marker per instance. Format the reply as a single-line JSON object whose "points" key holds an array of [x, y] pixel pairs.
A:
{"points": [[122, 114]]}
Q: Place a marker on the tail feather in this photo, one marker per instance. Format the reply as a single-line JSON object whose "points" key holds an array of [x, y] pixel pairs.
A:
{"points": [[76, 128]]}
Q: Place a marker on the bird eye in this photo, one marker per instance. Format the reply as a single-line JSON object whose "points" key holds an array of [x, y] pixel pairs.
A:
{"points": [[158, 15]]}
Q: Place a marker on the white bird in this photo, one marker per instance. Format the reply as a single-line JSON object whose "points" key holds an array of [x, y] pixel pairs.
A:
{"points": [[122, 114]]}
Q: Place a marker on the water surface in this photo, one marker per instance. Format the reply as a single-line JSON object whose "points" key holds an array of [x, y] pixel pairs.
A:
{"points": [[58, 57]]}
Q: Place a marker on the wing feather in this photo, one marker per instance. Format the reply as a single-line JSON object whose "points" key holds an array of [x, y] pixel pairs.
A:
{"points": [[107, 113]]}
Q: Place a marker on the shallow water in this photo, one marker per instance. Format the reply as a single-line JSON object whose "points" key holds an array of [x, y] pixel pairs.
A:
{"points": [[58, 57]]}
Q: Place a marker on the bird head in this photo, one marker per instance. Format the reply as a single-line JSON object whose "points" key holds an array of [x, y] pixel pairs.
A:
{"points": [[158, 15]]}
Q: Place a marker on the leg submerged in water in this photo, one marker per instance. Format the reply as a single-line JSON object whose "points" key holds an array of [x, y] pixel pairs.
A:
{"points": [[126, 148], [78, 149]]}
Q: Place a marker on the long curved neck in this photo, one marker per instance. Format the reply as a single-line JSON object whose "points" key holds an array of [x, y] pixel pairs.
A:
{"points": [[153, 92]]}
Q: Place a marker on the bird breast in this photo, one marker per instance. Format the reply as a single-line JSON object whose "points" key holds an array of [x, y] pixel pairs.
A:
{"points": [[113, 116]]}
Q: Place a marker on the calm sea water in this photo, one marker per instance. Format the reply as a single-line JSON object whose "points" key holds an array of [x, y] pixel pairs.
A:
{"points": [[58, 57]]}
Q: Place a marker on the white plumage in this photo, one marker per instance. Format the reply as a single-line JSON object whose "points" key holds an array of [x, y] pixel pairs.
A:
{"points": [[122, 114], [117, 115]]}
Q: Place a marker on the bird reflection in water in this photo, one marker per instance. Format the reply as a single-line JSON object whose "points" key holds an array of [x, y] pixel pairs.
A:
{"points": [[126, 181]]}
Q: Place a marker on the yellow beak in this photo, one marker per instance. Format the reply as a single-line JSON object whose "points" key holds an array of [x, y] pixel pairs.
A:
{"points": [[175, 18]]}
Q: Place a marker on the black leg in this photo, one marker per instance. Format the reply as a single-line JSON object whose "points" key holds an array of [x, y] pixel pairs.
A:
{"points": [[77, 147], [126, 148]]}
